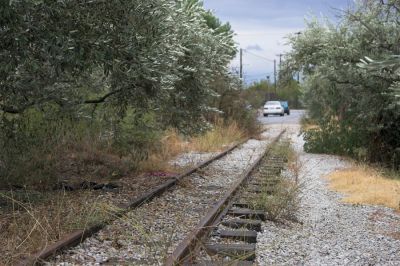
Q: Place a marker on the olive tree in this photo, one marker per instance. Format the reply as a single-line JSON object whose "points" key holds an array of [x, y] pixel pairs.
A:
{"points": [[129, 52], [349, 95], [128, 67]]}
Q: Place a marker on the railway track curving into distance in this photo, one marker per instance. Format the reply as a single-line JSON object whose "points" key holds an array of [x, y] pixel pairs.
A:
{"points": [[227, 234]]}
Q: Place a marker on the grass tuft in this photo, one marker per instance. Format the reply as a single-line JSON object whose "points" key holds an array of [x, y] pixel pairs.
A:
{"points": [[365, 185]]}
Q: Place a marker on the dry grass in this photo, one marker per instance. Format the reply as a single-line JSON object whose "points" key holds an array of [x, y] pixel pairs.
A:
{"points": [[218, 138], [173, 143], [308, 127], [31, 221], [170, 146], [365, 185]]}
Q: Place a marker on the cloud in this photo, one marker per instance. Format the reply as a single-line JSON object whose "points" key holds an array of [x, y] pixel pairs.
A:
{"points": [[271, 40], [262, 28], [254, 47]]}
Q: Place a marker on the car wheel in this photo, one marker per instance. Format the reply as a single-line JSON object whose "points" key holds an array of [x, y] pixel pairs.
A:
{"points": [[282, 114], [265, 115]]}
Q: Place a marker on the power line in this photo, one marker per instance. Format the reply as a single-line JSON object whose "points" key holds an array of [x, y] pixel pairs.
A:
{"points": [[264, 79], [267, 59], [259, 56], [259, 75]]}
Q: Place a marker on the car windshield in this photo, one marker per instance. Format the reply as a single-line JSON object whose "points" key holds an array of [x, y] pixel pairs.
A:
{"points": [[273, 103]]}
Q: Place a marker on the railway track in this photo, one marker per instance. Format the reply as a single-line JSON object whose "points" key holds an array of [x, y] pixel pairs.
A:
{"points": [[227, 234], [146, 232]]}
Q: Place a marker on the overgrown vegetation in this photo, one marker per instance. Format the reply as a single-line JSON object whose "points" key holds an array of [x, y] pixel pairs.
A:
{"points": [[89, 89], [353, 99]]}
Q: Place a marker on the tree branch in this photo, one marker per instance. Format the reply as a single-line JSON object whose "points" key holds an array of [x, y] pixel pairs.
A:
{"points": [[15, 110], [103, 98]]}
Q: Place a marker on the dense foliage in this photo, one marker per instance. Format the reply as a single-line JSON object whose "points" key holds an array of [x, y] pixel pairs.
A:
{"points": [[109, 73], [143, 54], [352, 81]]}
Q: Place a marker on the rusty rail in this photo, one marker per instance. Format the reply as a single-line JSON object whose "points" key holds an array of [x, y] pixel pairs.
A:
{"points": [[78, 236]]}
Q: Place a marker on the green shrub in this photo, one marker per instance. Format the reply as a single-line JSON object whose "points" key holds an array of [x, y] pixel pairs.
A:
{"points": [[135, 136], [332, 137], [30, 145]]}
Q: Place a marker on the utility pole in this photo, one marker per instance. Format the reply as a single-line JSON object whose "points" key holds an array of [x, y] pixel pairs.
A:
{"points": [[298, 73], [280, 61], [280, 67], [275, 74], [241, 64]]}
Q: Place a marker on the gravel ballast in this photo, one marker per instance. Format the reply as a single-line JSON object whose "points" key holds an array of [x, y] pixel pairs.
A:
{"points": [[329, 232], [148, 234]]}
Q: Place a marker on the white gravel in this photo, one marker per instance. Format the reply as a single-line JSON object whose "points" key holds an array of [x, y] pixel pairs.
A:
{"points": [[150, 233], [191, 159], [329, 232]]}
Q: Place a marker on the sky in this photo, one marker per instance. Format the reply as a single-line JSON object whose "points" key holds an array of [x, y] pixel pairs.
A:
{"points": [[262, 25]]}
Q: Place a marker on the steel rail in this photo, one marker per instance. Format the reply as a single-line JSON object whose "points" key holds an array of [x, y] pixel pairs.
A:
{"points": [[78, 236]]}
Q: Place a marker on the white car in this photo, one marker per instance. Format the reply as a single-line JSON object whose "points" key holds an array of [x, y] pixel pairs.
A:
{"points": [[273, 108]]}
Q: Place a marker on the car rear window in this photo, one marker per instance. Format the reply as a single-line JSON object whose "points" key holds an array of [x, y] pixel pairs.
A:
{"points": [[272, 103]]}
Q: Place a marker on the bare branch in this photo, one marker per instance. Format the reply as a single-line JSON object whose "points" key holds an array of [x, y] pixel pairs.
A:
{"points": [[18, 110], [103, 98], [14, 110]]}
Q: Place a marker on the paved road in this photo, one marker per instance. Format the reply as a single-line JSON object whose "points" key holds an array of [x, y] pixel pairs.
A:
{"points": [[293, 118]]}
